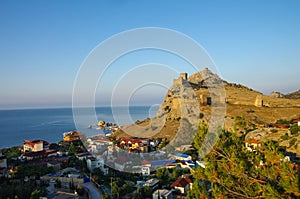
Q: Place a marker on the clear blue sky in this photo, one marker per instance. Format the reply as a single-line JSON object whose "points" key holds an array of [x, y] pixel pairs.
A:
{"points": [[43, 43]]}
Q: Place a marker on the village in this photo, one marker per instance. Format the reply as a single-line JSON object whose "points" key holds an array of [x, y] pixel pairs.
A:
{"points": [[68, 167]]}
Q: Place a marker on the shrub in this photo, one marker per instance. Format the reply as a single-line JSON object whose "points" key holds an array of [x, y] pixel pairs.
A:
{"points": [[285, 137], [274, 130], [201, 115], [293, 141], [281, 121], [294, 129]]}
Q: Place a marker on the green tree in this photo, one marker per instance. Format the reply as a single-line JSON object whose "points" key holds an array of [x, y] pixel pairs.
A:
{"points": [[115, 189], [163, 175], [199, 190], [294, 129], [54, 146], [72, 149], [147, 192], [200, 135], [239, 123], [237, 173], [105, 196], [35, 194]]}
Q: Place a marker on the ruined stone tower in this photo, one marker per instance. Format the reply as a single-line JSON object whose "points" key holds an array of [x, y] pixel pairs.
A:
{"points": [[259, 101], [183, 76]]}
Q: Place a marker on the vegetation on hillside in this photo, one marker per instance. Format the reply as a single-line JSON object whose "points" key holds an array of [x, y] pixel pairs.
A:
{"points": [[231, 171], [294, 95]]}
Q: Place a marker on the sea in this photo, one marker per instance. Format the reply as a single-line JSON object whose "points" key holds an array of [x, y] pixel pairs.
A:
{"points": [[50, 124]]}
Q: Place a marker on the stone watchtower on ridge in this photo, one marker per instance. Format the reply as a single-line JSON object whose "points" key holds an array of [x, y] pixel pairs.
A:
{"points": [[183, 77]]}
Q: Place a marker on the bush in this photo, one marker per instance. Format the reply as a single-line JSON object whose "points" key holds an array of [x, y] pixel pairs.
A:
{"points": [[281, 121], [294, 129], [274, 130], [285, 137], [201, 115], [293, 141]]}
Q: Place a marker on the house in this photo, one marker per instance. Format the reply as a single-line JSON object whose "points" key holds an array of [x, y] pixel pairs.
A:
{"points": [[181, 156], [35, 145], [120, 163], [38, 154], [93, 163], [298, 122], [146, 163], [183, 165], [155, 164], [152, 183], [162, 193], [184, 148], [71, 136], [182, 184], [252, 144], [145, 171], [83, 156]]}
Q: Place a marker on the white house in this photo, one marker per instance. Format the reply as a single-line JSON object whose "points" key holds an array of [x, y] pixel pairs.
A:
{"points": [[35, 145], [152, 183], [162, 193], [181, 156], [93, 163], [252, 144], [145, 171], [121, 162]]}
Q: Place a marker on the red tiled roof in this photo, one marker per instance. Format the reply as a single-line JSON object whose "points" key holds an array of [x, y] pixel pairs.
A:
{"points": [[133, 141], [34, 142], [181, 182], [189, 180], [252, 141], [145, 162]]}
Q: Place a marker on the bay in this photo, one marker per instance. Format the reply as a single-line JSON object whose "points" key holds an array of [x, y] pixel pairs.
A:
{"points": [[49, 124]]}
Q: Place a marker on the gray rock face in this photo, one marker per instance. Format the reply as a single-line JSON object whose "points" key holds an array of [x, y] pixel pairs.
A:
{"points": [[205, 78]]}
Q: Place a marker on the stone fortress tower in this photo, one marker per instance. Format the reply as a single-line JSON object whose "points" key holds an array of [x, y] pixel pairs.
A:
{"points": [[183, 78], [259, 101]]}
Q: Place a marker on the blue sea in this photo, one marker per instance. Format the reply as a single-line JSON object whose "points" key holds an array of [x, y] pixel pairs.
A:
{"points": [[49, 124]]}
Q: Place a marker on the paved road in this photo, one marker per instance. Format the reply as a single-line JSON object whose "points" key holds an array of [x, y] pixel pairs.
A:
{"points": [[93, 191]]}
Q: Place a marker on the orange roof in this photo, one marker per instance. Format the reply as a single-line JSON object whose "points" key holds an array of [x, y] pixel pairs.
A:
{"points": [[133, 141], [145, 162], [34, 142], [252, 141]]}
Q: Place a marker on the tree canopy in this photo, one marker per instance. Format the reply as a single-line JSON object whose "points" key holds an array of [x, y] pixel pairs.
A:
{"points": [[233, 172]]}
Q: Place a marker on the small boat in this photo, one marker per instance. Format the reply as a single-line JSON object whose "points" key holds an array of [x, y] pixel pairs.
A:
{"points": [[90, 126]]}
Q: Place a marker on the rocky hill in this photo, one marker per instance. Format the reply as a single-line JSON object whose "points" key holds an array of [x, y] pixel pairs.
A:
{"points": [[204, 97], [294, 95]]}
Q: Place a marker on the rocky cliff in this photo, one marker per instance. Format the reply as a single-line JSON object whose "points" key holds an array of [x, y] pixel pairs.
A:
{"points": [[205, 97]]}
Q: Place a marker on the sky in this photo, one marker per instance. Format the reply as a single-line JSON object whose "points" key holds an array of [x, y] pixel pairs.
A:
{"points": [[44, 43]]}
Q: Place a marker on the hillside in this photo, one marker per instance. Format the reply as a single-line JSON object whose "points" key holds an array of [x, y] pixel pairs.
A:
{"points": [[294, 95], [204, 97]]}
